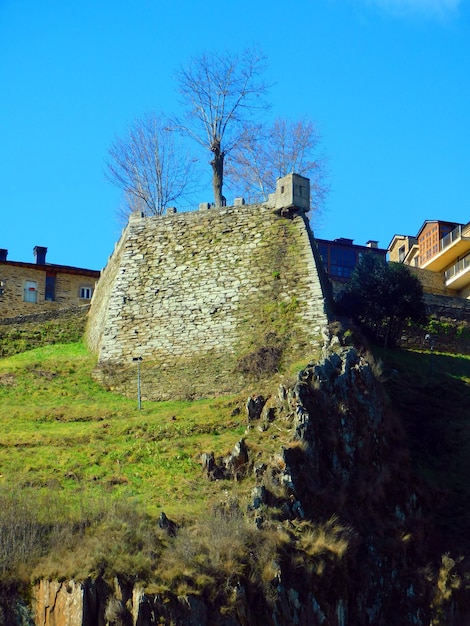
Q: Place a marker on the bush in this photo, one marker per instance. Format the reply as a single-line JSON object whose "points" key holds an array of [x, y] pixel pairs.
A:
{"points": [[383, 296], [264, 361]]}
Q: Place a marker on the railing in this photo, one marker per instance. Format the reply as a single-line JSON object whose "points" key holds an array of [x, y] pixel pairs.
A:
{"points": [[461, 266], [450, 238]]}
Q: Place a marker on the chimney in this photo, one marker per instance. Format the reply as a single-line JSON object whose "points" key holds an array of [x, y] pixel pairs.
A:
{"points": [[3, 254], [40, 254], [372, 244]]}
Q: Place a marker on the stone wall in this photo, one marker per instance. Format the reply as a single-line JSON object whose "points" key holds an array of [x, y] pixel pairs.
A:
{"points": [[14, 277], [102, 293], [198, 294], [445, 306], [432, 282], [465, 292]]}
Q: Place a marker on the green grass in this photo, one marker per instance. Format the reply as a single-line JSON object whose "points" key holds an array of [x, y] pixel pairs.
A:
{"points": [[62, 431], [84, 475], [27, 335]]}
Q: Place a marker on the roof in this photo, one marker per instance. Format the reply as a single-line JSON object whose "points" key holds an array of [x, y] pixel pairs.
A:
{"points": [[426, 222], [399, 237], [348, 243], [62, 269]]}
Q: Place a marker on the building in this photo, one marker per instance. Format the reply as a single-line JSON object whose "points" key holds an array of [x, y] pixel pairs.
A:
{"points": [[441, 247], [340, 257], [27, 288], [404, 249]]}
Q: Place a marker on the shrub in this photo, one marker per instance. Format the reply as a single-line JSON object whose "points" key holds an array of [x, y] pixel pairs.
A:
{"points": [[264, 361], [382, 296]]}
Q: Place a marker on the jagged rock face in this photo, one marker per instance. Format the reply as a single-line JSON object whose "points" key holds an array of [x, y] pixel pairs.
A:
{"points": [[354, 465], [70, 603], [350, 434], [346, 468]]}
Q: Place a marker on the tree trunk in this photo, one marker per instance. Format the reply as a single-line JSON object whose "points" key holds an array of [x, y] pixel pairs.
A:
{"points": [[217, 164], [388, 332]]}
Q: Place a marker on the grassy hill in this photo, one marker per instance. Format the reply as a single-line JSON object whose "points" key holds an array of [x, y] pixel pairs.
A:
{"points": [[85, 475], [43, 329], [77, 461]]}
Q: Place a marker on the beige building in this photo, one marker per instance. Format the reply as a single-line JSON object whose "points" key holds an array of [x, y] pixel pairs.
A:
{"points": [[442, 248], [28, 288], [404, 249]]}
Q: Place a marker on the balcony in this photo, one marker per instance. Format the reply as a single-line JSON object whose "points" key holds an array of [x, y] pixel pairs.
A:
{"points": [[458, 276], [453, 245]]}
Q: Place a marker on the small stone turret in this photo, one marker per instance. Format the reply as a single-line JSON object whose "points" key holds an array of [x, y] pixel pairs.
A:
{"points": [[292, 195]]}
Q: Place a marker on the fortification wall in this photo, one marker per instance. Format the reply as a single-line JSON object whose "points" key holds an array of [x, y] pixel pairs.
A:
{"points": [[102, 295], [205, 299]]}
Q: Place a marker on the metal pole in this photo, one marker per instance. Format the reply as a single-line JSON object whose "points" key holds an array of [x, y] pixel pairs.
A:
{"points": [[431, 340], [139, 397]]}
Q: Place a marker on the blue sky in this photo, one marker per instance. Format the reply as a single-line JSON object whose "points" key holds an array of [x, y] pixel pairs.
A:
{"points": [[387, 81]]}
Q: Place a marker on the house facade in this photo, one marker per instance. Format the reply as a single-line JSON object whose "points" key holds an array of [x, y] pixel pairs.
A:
{"points": [[440, 247], [29, 288], [404, 249]]}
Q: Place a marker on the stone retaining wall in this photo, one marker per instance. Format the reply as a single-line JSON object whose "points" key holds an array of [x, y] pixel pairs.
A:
{"points": [[194, 293], [432, 282]]}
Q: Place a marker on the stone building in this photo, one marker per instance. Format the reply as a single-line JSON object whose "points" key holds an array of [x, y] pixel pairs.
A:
{"points": [[205, 299], [31, 288]]}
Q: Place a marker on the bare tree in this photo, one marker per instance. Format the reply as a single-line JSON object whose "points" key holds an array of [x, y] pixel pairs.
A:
{"points": [[151, 166], [264, 155], [222, 94]]}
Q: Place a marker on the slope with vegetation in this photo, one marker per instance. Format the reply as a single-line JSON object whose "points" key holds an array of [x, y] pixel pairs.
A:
{"points": [[351, 501]]}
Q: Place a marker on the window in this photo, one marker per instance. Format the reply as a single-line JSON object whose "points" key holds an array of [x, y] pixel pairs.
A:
{"points": [[86, 293], [2, 287], [50, 287], [31, 291], [401, 254], [342, 262]]}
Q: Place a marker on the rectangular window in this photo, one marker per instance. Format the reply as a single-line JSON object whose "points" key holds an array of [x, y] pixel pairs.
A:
{"points": [[86, 293], [31, 291], [342, 262], [401, 254], [50, 287]]}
